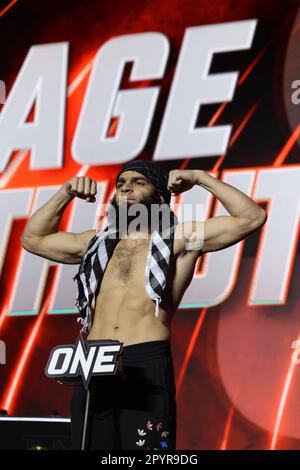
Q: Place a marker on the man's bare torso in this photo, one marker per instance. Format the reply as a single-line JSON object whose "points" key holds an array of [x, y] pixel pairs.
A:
{"points": [[123, 309]]}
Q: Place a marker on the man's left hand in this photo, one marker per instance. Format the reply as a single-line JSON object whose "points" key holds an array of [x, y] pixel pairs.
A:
{"points": [[182, 180]]}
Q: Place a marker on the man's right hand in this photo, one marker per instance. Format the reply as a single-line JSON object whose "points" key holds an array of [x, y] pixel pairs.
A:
{"points": [[81, 186]]}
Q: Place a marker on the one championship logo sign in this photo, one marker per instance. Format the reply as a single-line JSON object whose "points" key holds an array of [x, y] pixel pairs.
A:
{"points": [[99, 358]]}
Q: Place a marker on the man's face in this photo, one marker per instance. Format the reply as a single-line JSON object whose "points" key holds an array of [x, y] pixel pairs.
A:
{"points": [[134, 188]]}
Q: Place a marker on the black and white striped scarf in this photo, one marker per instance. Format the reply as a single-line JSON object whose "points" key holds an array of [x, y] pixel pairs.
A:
{"points": [[100, 250]]}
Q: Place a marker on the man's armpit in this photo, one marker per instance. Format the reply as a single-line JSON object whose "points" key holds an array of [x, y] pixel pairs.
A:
{"points": [[192, 235], [195, 241]]}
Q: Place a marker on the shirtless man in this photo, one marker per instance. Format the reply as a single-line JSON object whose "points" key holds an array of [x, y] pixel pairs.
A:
{"points": [[123, 309]]}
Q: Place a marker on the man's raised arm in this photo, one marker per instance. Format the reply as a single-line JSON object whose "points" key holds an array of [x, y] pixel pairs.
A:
{"points": [[219, 232], [41, 236]]}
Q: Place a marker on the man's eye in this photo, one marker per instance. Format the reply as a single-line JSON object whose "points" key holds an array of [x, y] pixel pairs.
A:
{"points": [[138, 182]]}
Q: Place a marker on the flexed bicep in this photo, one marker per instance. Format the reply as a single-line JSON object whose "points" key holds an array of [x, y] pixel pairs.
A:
{"points": [[223, 231]]}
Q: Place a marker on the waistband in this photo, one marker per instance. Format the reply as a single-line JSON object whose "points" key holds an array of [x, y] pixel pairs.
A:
{"points": [[148, 350], [140, 352]]}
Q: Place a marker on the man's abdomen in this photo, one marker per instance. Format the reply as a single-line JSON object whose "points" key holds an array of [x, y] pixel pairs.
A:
{"points": [[127, 318]]}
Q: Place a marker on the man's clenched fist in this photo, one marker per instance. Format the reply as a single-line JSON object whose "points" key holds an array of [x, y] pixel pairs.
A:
{"points": [[83, 187]]}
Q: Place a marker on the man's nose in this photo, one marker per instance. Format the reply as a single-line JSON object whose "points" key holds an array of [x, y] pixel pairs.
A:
{"points": [[125, 188]]}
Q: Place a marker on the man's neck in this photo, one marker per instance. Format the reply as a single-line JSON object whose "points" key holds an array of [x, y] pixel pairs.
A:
{"points": [[134, 235]]}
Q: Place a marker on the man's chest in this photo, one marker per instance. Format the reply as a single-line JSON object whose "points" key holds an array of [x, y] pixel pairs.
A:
{"points": [[126, 269], [128, 263]]}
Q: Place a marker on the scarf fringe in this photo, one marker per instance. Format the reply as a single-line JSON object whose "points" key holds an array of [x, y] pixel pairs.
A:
{"points": [[157, 302], [84, 321]]}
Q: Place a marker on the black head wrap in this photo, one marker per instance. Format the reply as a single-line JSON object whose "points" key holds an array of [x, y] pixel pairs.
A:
{"points": [[153, 173]]}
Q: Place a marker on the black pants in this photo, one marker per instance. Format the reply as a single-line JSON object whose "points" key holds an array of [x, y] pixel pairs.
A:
{"points": [[135, 410]]}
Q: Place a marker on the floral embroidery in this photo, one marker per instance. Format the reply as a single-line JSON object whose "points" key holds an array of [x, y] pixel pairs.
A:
{"points": [[140, 442], [163, 443], [158, 427], [149, 425]]}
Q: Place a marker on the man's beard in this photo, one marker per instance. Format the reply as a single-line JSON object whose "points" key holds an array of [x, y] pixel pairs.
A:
{"points": [[122, 216]]}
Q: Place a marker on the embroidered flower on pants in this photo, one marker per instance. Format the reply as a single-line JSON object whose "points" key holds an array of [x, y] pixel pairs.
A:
{"points": [[140, 442], [161, 433], [149, 425]]}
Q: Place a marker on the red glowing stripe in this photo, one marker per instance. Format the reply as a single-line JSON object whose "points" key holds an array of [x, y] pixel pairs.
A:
{"points": [[113, 127], [227, 428], [217, 113], [19, 371], [257, 59], [236, 135], [218, 163], [229, 422], [282, 402], [210, 124], [190, 349], [80, 77], [3, 315], [2, 12], [243, 124], [287, 147]]}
